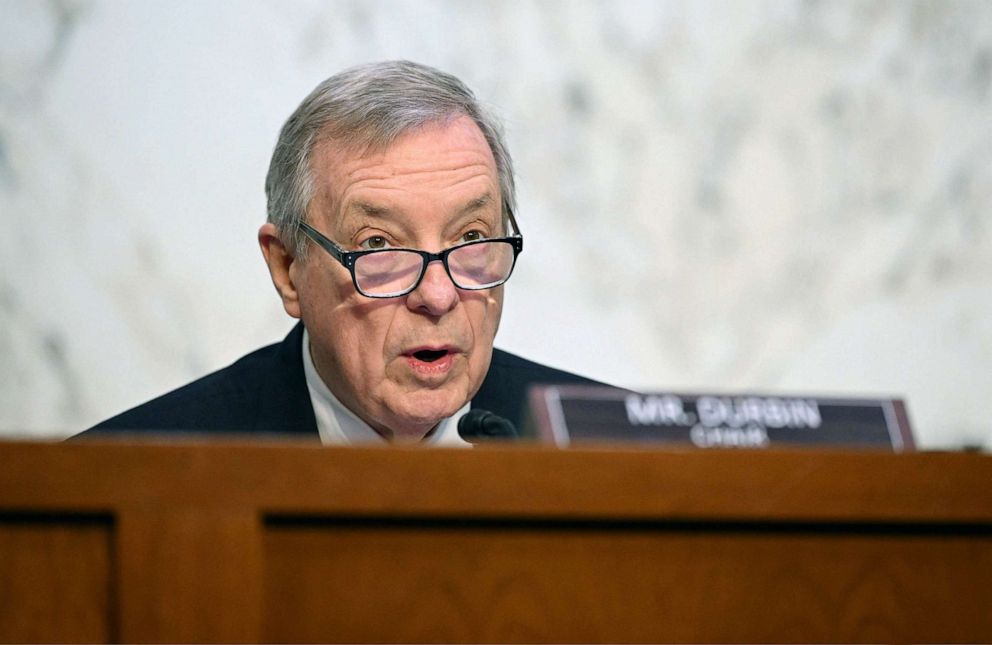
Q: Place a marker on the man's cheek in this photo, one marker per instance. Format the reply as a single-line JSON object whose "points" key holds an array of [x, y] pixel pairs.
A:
{"points": [[394, 370]]}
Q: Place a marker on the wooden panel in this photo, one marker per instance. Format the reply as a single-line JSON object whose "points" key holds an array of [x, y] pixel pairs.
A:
{"points": [[621, 484], [189, 575], [55, 580], [340, 583], [581, 545]]}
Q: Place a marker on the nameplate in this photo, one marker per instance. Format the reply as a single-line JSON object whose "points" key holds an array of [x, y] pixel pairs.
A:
{"points": [[574, 414]]}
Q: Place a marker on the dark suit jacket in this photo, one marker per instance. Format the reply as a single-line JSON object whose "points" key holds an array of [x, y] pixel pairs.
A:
{"points": [[266, 392]]}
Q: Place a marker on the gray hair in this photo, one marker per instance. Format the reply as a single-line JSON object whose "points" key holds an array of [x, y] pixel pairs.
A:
{"points": [[369, 107]]}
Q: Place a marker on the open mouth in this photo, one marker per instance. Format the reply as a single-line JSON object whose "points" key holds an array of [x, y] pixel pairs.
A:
{"points": [[430, 355]]}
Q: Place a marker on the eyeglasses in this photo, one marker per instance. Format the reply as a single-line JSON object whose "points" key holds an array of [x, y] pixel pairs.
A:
{"points": [[390, 273]]}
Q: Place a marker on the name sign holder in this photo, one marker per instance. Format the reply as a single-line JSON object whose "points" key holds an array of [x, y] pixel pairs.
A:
{"points": [[570, 414]]}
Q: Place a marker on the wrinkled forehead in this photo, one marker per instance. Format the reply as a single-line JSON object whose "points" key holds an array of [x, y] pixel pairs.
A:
{"points": [[451, 155]]}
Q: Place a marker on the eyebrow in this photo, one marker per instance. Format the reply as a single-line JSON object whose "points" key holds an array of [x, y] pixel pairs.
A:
{"points": [[478, 203], [370, 209], [366, 213]]}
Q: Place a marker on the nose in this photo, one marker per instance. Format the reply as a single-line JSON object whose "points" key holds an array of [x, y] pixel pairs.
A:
{"points": [[436, 294]]}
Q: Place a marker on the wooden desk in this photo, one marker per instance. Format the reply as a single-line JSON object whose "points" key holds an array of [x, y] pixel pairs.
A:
{"points": [[277, 542]]}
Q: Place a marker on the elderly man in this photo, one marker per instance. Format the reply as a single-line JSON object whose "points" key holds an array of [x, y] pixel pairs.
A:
{"points": [[390, 234]]}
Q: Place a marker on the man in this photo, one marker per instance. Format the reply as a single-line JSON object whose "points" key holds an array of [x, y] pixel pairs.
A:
{"points": [[390, 234]]}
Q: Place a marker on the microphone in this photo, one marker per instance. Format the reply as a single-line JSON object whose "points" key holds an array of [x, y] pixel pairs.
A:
{"points": [[479, 426]]}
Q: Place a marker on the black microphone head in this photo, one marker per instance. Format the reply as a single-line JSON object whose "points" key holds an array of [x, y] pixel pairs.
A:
{"points": [[482, 425]]}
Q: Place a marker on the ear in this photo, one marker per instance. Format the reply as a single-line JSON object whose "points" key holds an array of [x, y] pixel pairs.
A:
{"points": [[280, 261]]}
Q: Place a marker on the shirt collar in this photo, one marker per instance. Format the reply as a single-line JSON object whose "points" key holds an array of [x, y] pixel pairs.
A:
{"points": [[339, 425]]}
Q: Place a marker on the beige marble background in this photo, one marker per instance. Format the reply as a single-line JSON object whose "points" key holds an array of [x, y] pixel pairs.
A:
{"points": [[775, 196]]}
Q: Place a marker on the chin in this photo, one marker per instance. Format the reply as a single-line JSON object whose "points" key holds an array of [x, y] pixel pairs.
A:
{"points": [[421, 411]]}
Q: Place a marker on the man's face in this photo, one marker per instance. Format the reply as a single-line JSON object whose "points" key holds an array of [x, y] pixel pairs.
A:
{"points": [[431, 189]]}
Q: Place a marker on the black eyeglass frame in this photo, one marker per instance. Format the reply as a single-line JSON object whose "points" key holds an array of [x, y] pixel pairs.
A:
{"points": [[349, 258]]}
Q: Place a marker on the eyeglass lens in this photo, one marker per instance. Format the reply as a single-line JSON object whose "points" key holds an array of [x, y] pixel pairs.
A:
{"points": [[475, 266]]}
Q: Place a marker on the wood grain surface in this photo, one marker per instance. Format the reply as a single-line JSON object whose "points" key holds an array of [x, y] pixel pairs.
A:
{"points": [[55, 580], [635, 584], [248, 541]]}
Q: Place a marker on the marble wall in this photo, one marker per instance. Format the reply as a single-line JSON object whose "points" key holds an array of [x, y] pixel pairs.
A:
{"points": [[775, 196]]}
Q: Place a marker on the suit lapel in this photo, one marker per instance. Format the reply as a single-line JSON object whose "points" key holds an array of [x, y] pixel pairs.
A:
{"points": [[287, 406]]}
